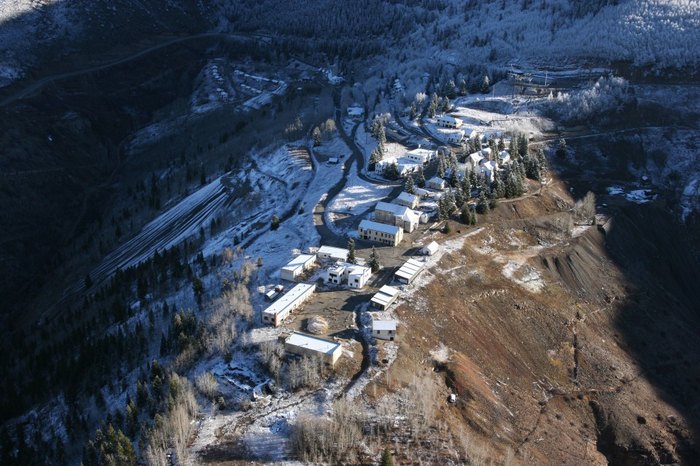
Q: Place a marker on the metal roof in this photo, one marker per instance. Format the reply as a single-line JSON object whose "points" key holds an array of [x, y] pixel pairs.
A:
{"points": [[301, 340], [376, 226]]}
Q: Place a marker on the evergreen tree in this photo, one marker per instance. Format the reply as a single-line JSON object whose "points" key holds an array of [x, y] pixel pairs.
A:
{"points": [[459, 195], [410, 187], [420, 178], [465, 214], [499, 190], [391, 172], [466, 186], [523, 145], [88, 281], [482, 206], [561, 148], [450, 89], [485, 84], [462, 87], [432, 108], [351, 251], [446, 105], [441, 166], [501, 145], [453, 179], [374, 157], [374, 261], [275, 222], [472, 218]]}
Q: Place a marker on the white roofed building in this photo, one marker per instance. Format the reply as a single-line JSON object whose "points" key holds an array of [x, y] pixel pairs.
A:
{"points": [[504, 157], [380, 232], [297, 266], [355, 276], [277, 312], [436, 183], [448, 121], [407, 200], [430, 249], [384, 298], [309, 345], [384, 329], [455, 137], [474, 160], [394, 214], [489, 170], [330, 254], [409, 271], [420, 155]]}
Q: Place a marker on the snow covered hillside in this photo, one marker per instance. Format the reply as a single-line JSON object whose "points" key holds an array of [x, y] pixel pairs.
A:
{"points": [[647, 33]]}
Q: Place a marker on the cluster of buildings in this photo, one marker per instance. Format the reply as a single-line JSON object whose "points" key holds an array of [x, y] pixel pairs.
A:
{"points": [[409, 162], [392, 219], [482, 162]]}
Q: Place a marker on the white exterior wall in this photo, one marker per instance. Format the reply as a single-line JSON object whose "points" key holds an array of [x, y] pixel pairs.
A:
{"points": [[371, 234], [384, 334], [278, 312]]}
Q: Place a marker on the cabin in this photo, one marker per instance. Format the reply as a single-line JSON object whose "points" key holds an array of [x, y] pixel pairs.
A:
{"points": [[302, 344], [297, 266], [333, 161], [380, 232], [407, 200], [277, 312], [420, 155], [436, 183], [394, 214], [329, 254], [384, 329], [384, 298], [430, 249], [448, 121], [409, 271], [355, 276]]}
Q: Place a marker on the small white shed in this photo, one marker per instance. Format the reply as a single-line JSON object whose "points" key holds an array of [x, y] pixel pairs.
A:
{"points": [[430, 249]]}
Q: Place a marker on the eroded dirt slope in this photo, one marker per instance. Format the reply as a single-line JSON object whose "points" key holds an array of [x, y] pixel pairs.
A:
{"points": [[568, 344]]}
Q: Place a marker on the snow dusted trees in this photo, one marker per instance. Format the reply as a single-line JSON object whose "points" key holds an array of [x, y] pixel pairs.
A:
{"points": [[374, 261], [331, 440], [351, 251], [410, 186]]}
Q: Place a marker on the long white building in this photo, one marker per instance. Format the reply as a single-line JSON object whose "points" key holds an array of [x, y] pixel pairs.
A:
{"points": [[309, 345], [384, 298], [380, 232], [297, 266], [409, 271], [277, 312]]}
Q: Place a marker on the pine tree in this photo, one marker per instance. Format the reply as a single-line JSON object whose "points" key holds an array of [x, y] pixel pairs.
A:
{"points": [[485, 84], [410, 187], [374, 261], [466, 186], [275, 222], [482, 205], [420, 178], [498, 186], [472, 218], [441, 166], [465, 214], [561, 148], [351, 251], [391, 172]]}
